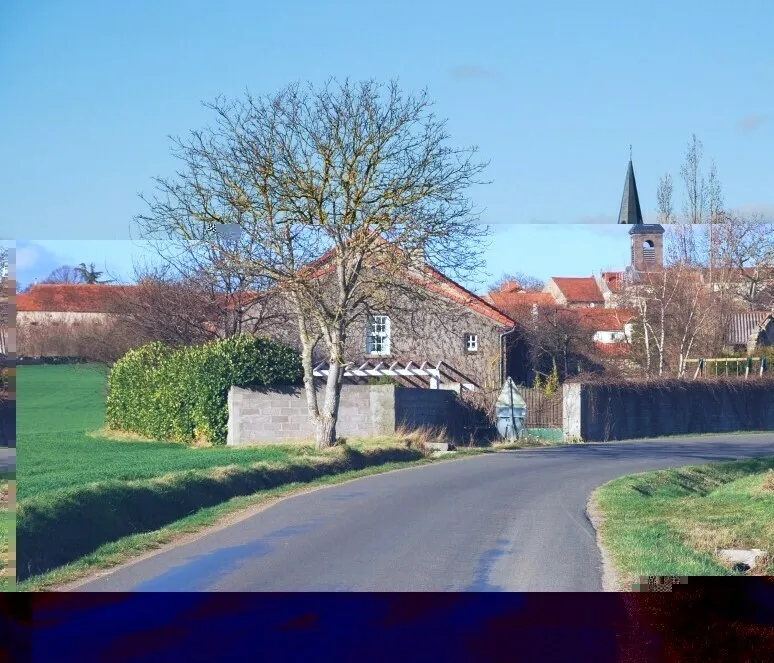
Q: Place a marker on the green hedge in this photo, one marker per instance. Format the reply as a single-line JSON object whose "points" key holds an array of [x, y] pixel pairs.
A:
{"points": [[181, 394]]}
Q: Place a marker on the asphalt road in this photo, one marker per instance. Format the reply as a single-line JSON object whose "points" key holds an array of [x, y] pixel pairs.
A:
{"points": [[512, 521]]}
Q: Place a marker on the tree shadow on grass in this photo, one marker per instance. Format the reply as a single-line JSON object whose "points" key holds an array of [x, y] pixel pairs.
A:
{"points": [[59, 528]]}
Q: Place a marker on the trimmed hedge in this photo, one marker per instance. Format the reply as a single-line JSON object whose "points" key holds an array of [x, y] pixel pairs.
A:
{"points": [[181, 394]]}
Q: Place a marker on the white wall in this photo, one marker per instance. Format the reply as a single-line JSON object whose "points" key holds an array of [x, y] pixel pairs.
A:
{"points": [[48, 317]]}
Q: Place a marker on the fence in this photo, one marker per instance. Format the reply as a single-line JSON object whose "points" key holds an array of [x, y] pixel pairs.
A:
{"points": [[728, 366], [543, 410]]}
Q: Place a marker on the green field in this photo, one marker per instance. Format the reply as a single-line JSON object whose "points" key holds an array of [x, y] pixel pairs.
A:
{"points": [[59, 405], [670, 522], [88, 501]]}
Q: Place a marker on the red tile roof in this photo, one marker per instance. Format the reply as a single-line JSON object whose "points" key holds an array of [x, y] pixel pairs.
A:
{"points": [[579, 290], [72, 298], [454, 291], [520, 302], [601, 319], [613, 280], [612, 349], [438, 283], [102, 298]]}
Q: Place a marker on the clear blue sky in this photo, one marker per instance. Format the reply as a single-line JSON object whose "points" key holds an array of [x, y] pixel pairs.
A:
{"points": [[553, 93], [541, 251]]}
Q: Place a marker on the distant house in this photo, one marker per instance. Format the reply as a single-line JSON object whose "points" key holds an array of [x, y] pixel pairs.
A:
{"points": [[69, 303], [751, 330], [7, 318], [607, 326], [575, 292], [518, 303]]}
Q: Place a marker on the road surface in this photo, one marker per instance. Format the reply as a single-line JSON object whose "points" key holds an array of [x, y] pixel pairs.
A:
{"points": [[511, 521]]}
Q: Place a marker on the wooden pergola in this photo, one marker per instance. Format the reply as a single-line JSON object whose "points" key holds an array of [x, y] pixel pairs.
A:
{"points": [[425, 371]]}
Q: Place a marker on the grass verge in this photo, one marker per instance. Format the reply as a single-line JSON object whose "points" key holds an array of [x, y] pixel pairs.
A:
{"points": [[670, 522]]}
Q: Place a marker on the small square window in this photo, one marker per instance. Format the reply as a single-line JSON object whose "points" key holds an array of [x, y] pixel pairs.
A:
{"points": [[471, 342]]}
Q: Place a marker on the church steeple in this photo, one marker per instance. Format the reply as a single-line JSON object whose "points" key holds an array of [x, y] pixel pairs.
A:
{"points": [[630, 203]]}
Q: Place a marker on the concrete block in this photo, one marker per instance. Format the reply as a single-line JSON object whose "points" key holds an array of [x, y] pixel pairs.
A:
{"points": [[743, 560]]}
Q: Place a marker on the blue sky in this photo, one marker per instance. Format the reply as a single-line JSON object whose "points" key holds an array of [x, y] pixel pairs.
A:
{"points": [[541, 251], [553, 93]]}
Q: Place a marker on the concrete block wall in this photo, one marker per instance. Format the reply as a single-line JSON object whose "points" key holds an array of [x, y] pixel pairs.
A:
{"points": [[430, 408], [273, 416], [599, 413]]}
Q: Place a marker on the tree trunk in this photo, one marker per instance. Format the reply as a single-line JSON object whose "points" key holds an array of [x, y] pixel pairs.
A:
{"points": [[311, 394], [325, 424]]}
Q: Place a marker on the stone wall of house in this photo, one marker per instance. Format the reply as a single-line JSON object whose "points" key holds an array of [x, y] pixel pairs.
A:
{"points": [[431, 330], [274, 416], [598, 413]]}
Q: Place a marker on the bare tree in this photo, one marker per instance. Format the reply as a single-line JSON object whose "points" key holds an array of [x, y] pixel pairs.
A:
{"points": [[664, 197], [524, 281], [190, 308], [341, 194], [677, 314], [554, 336], [715, 211], [5, 296], [695, 185], [746, 255], [64, 274]]}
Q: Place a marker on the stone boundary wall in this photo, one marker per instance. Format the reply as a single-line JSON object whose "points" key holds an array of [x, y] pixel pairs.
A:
{"points": [[280, 415], [598, 413]]}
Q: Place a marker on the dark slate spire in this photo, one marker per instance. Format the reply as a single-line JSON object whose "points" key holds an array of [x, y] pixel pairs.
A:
{"points": [[630, 203]]}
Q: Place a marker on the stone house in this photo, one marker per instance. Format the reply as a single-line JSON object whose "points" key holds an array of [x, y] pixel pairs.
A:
{"points": [[7, 317], [434, 321], [750, 331]]}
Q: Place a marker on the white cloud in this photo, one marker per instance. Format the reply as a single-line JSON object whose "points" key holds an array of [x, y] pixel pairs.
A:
{"points": [[752, 122], [27, 256], [472, 72]]}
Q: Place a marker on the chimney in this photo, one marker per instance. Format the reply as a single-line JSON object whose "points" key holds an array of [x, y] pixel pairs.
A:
{"points": [[510, 286], [417, 257]]}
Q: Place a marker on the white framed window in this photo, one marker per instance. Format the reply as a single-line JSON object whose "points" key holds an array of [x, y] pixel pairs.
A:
{"points": [[471, 342], [378, 335]]}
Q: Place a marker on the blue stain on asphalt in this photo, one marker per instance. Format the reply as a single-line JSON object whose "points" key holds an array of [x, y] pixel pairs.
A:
{"points": [[345, 496], [485, 564], [199, 572]]}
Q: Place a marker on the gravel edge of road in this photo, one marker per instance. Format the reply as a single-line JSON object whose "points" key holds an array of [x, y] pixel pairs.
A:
{"points": [[611, 580]]}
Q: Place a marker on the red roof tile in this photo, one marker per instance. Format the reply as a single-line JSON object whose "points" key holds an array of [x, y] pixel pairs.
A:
{"points": [[579, 290], [612, 349], [70, 298], [601, 319], [438, 283], [520, 302], [613, 280]]}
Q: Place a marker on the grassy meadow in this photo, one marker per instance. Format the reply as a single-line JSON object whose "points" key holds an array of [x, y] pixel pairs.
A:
{"points": [[670, 522]]}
